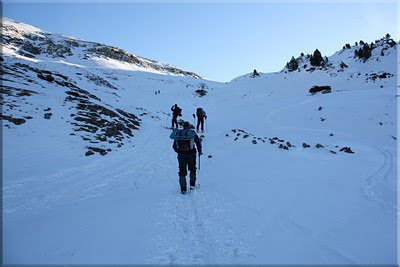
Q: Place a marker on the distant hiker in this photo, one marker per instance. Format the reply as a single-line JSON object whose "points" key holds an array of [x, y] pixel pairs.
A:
{"points": [[176, 111], [201, 115], [255, 73], [158, 91], [155, 92], [184, 140]]}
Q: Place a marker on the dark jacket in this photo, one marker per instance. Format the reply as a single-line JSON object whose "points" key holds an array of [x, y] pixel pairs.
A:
{"points": [[201, 114], [176, 111], [191, 153]]}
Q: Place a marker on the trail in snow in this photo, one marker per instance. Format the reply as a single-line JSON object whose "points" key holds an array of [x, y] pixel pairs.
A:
{"points": [[377, 186], [193, 228], [196, 229]]}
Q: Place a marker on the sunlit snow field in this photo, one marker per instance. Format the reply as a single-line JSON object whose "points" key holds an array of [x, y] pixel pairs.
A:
{"points": [[257, 203]]}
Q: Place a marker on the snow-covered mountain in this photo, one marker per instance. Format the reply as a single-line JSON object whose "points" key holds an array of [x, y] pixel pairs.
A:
{"points": [[288, 175], [82, 76], [28, 41], [349, 56]]}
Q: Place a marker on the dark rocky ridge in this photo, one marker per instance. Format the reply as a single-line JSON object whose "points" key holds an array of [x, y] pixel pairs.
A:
{"points": [[92, 119]]}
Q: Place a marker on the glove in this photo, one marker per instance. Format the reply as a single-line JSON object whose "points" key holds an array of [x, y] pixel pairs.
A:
{"points": [[206, 117], [200, 153], [194, 116]]}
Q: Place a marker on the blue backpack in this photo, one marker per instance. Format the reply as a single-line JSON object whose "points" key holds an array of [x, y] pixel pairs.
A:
{"points": [[184, 139]]}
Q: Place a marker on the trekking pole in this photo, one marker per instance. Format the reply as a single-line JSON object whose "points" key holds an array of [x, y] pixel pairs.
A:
{"points": [[199, 161], [194, 120], [206, 126]]}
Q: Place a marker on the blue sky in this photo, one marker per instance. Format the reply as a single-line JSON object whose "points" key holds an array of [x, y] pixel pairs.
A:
{"points": [[219, 41]]}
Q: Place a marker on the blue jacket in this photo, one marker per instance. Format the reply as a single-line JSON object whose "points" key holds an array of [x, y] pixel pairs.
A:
{"points": [[191, 153]]}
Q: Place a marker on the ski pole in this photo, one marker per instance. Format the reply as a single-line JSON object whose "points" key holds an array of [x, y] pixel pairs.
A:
{"points": [[199, 161], [206, 126]]}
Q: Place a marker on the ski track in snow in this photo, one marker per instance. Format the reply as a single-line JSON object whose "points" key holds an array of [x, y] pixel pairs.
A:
{"points": [[328, 254], [196, 230], [376, 186], [38, 193]]}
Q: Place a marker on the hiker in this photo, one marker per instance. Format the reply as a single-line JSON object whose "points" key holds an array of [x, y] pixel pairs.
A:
{"points": [[184, 140], [176, 111], [201, 115]]}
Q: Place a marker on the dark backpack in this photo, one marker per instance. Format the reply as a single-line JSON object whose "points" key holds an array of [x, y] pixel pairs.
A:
{"points": [[184, 145], [177, 111], [200, 112]]}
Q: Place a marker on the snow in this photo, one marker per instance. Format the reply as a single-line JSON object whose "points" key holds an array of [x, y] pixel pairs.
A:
{"points": [[115, 64], [22, 27], [9, 52], [257, 204], [79, 54]]}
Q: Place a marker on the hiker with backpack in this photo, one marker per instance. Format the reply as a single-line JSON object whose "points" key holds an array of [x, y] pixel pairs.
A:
{"points": [[184, 140], [176, 112], [201, 115]]}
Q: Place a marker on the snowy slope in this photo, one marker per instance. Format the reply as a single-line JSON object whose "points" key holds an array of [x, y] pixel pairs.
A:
{"points": [[258, 203], [30, 43]]}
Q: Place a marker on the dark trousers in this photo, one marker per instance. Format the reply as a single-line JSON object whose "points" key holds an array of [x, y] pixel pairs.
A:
{"points": [[184, 165], [200, 121], [174, 121]]}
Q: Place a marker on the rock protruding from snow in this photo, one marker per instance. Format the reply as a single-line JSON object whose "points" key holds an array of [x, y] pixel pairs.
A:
{"points": [[346, 150], [323, 89]]}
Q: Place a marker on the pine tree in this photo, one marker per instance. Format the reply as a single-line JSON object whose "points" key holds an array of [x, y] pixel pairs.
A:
{"points": [[316, 59], [366, 51], [360, 53], [255, 73], [292, 64]]}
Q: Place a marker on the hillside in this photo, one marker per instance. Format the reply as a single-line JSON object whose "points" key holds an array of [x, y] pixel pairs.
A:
{"points": [[287, 176]]}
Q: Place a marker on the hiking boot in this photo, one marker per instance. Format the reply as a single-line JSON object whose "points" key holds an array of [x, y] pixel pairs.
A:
{"points": [[192, 187], [183, 192]]}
